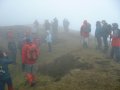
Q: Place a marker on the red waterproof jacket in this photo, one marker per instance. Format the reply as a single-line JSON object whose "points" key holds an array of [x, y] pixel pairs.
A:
{"points": [[25, 50], [116, 38], [115, 42], [84, 32]]}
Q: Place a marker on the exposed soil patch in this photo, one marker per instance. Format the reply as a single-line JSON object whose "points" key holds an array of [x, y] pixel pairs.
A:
{"points": [[62, 66]]}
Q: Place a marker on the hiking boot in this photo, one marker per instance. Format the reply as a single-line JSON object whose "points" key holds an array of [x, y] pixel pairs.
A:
{"points": [[33, 84]]}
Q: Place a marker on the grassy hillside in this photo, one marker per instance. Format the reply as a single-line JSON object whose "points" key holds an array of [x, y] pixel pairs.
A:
{"points": [[70, 67]]}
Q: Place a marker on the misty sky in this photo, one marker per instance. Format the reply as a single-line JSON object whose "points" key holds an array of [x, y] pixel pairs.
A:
{"points": [[20, 12]]}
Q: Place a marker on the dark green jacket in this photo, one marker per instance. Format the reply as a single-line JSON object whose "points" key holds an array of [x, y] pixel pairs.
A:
{"points": [[4, 71]]}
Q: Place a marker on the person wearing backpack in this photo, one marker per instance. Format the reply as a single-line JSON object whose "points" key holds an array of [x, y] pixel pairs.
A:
{"points": [[106, 31], [98, 35], [84, 32], [5, 77], [115, 51], [30, 54]]}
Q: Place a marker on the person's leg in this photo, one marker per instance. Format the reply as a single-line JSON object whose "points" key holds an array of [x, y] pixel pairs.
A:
{"points": [[30, 77], [9, 83], [28, 68], [33, 75], [14, 57], [2, 85], [86, 42], [117, 54], [49, 47], [99, 42], [23, 67], [97, 46], [112, 52], [81, 40], [27, 73], [105, 43]]}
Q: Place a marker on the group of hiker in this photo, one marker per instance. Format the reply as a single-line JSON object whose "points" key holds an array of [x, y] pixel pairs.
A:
{"points": [[29, 52], [29, 46], [54, 25], [107, 36]]}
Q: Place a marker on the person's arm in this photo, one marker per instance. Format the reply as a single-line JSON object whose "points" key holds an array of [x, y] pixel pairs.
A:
{"points": [[37, 50], [24, 54], [6, 59]]}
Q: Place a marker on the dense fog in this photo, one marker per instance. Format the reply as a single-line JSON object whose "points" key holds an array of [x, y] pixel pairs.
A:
{"points": [[20, 12]]}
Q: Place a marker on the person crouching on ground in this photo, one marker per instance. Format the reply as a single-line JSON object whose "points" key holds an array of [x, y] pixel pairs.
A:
{"points": [[29, 56], [5, 77]]}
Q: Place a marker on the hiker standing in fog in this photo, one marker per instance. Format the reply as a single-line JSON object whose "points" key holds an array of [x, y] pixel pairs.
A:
{"points": [[47, 25], [84, 32], [21, 41], [55, 29], [30, 54], [98, 35], [12, 46], [5, 77], [115, 51], [35, 28], [49, 40], [106, 31], [12, 49], [66, 25]]}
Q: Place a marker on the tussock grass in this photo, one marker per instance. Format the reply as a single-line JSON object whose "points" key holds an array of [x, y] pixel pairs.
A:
{"points": [[73, 67]]}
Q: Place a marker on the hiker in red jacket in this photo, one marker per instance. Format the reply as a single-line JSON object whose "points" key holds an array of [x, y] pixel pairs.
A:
{"points": [[30, 54], [84, 32], [115, 51]]}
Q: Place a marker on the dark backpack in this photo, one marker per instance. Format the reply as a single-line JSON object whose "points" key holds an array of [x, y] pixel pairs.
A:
{"points": [[119, 33], [88, 27]]}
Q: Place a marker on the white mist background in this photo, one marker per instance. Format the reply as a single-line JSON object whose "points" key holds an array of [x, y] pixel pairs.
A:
{"points": [[20, 12]]}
